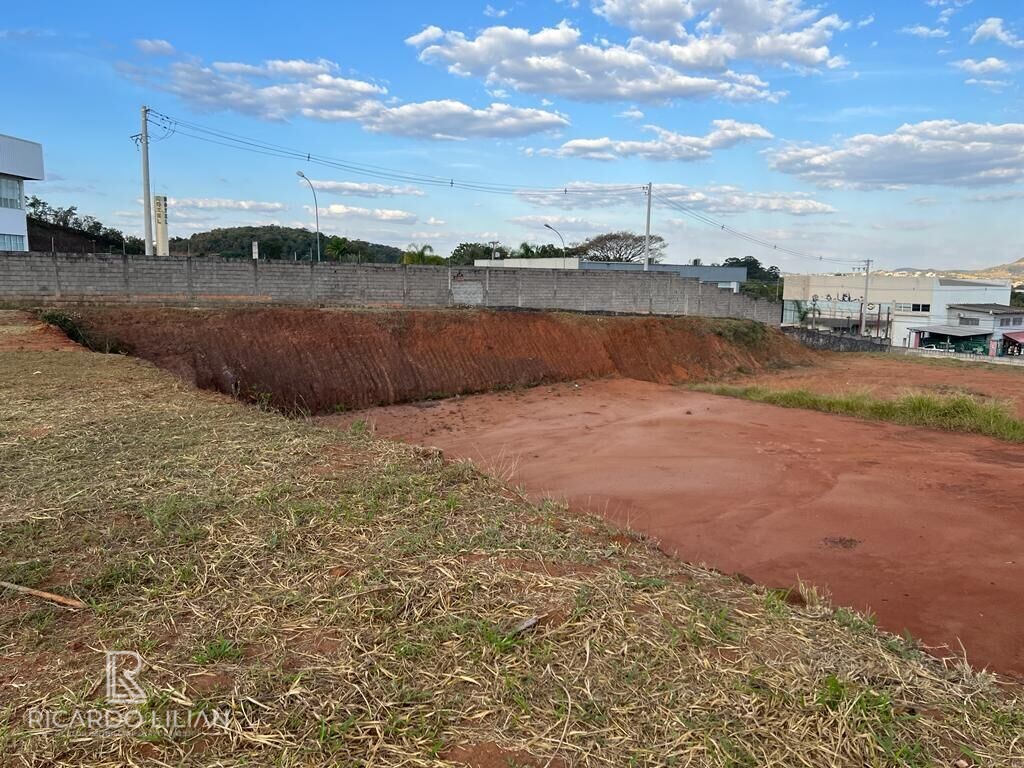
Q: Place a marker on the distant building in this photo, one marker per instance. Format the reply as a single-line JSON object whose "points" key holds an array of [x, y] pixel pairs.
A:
{"points": [[992, 329], [894, 306], [20, 161], [723, 277]]}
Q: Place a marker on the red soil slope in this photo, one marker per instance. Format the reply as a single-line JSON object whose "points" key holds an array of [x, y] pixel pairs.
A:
{"points": [[325, 360]]}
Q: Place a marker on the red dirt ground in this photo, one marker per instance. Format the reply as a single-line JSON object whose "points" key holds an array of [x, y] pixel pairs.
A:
{"points": [[924, 528], [885, 376], [326, 360], [21, 332]]}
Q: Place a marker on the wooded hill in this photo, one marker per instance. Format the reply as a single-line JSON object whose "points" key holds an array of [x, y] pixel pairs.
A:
{"points": [[276, 243]]}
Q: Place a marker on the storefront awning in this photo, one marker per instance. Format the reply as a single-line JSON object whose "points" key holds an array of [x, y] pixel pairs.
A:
{"points": [[1017, 336], [962, 331]]}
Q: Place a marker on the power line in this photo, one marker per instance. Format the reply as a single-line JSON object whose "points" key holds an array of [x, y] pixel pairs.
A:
{"points": [[236, 141], [705, 219], [178, 127]]}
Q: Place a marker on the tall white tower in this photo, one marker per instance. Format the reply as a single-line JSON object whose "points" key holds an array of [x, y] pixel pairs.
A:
{"points": [[160, 215]]}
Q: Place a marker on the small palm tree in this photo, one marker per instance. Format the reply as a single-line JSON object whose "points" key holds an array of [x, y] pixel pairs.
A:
{"points": [[420, 254], [525, 251], [338, 248]]}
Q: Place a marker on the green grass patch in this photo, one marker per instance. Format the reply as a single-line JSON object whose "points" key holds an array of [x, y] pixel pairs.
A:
{"points": [[220, 649], [954, 413], [747, 333], [72, 327]]}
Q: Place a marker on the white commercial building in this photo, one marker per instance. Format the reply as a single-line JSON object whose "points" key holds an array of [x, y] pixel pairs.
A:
{"points": [[894, 305], [20, 161]]}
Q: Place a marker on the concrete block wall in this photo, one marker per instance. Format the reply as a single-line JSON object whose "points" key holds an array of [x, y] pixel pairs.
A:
{"points": [[69, 278]]}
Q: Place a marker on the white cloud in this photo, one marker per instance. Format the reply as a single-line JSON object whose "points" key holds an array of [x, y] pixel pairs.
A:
{"points": [[435, 222], [364, 188], [1000, 197], [673, 64], [427, 35], [667, 145], [26, 33], [495, 13], [660, 19], [992, 29], [920, 30], [949, 7], [155, 47], [339, 211], [449, 119], [982, 67], [280, 89], [223, 204], [867, 21], [632, 114], [992, 85], [716, 199], [935, 152], [567, 223]]}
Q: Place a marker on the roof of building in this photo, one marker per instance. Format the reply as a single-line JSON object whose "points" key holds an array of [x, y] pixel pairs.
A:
{"points": [[991, 309], [21, 158], [953, 330], [704, 272], [972, 283]]}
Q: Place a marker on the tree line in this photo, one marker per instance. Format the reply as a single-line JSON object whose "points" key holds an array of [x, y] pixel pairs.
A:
{"points": [[51, 226]]}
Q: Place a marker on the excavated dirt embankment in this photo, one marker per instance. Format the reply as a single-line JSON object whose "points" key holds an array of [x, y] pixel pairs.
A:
{"points": [[328, 360]]}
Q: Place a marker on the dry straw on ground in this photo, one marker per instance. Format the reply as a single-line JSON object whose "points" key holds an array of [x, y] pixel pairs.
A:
{"points": [[356, 602]]}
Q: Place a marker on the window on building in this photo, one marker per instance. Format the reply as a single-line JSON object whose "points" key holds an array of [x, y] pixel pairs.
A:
{"points": [[970, 321], [12, 242], [1018, 321], [1004, 322], [921, 307], [11, 191]]}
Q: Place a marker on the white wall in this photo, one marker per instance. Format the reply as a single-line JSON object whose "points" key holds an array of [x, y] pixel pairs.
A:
{"points": [[19, 159], [545, 263], [12, 222]]}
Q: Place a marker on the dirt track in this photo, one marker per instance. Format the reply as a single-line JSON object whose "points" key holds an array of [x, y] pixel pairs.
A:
{"points": [[923, 528]]}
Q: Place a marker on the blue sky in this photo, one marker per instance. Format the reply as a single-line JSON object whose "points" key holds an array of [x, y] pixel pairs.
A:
{"points": [[849, 130]]}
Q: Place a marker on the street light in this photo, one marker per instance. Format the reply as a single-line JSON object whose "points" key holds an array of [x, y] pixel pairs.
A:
{"points": [[563, 243], [316, 210]]}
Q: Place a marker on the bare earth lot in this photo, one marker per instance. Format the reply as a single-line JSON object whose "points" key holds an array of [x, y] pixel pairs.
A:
{"points": [[341, 600], [926, 529], [891, 376]]}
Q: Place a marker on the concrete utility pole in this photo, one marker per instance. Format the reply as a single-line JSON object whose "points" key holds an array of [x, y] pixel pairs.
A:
{"points": [[494, 249], [147, 202], [864, 303], [647, 232]]}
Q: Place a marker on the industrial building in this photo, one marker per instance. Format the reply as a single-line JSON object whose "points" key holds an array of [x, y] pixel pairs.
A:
{"points": [[895, 306], [989, 329], [20, 161], [722, 277]]}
